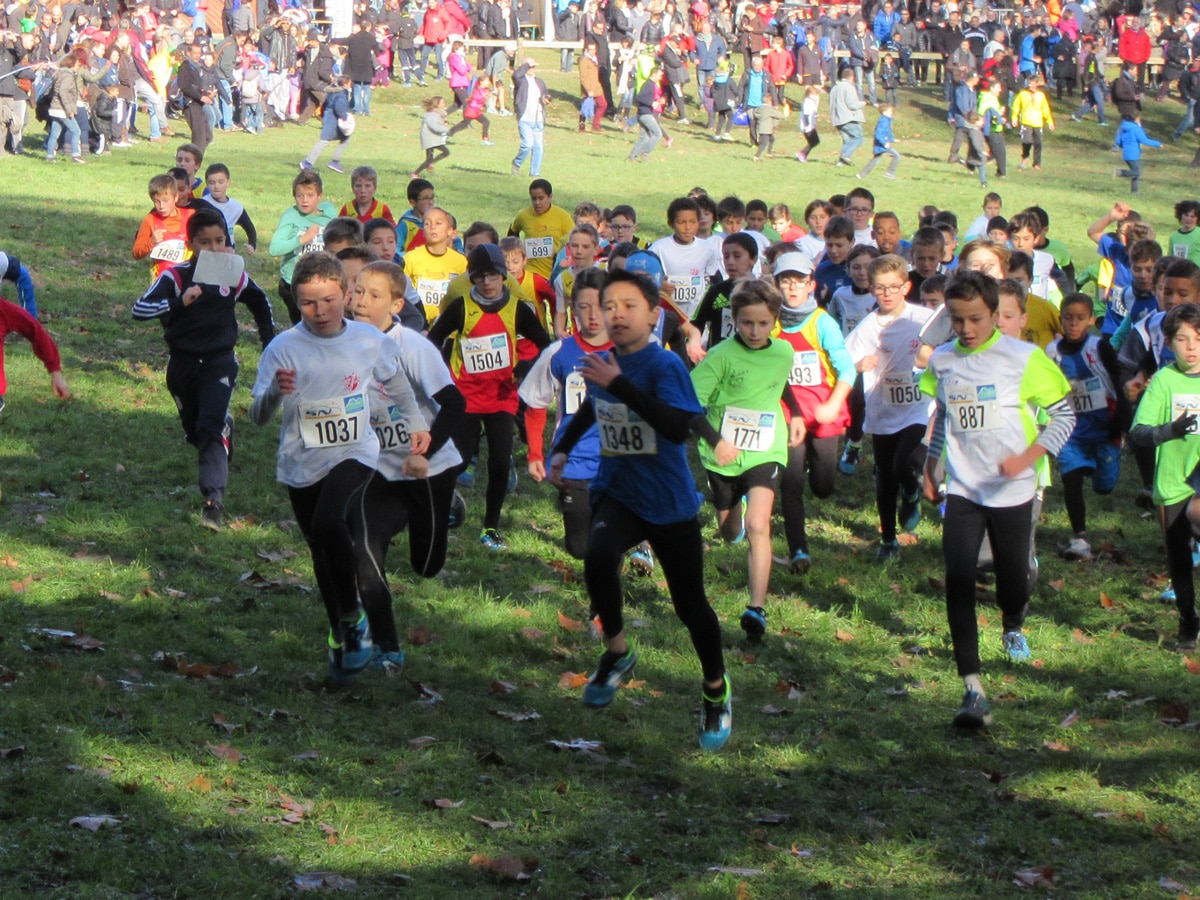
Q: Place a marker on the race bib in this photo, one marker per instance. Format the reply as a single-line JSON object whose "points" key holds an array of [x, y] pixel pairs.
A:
{"points": [[622, 431], [574, 392], [1180, 250], [336, 422], [688, 290], [169, 251], [392, 431], [1087, 394], [748, 429], [1184, 405], [900, 389], [431, 291], [726, 323], [539, 248], [1039, 286], [849, 324], [486, 354], [316, 245], [806, 369], [974, 409]]}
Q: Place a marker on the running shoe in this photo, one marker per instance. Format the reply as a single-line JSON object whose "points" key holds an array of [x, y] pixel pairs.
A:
{"points": [[1016, 647], [801, 562], [641, 561], [1078, 550], [716, 719], [889, 551], [387, 660], [353, 653], [1144, 499], [336, 167], [602, 685], [754, 622], [458, 510], [910, 512], [1167, 596], [211, 516], [848, 464], [305, 165], [974, 712], [491, 539], [466, 478]]}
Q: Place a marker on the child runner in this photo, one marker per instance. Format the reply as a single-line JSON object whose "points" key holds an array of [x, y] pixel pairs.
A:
{"points": [[299, 232], [433, 134], [821, 379], [319, 372], [484, 364], [544, 227], [882, 144], [336, 125], [433, 264], [407, 490], [808, 121], [985, 385], [421, 197], [1094, 448], [1031, 113], [645, 407], [1131, 138], [216, 179], [11, 269], [583, 243], [816, 216], [14, 320], [688, 261], [831, 271], [162, 236], [883, 348], [365, 206], [1166, 419], [739, 253], [1185, 240], [740, 383], [201, 330]]}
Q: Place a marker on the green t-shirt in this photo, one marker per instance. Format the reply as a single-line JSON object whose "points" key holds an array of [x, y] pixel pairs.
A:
{"points": [[1185, 244], [741, 390], [1057, 249], [1172, 394]]}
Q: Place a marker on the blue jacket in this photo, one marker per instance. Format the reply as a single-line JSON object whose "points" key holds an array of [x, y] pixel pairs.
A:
{"points": [[1130, 138], [337, 105], [706, 54], [1026, 65], [884, 25], [964, 101], [883, 135]]}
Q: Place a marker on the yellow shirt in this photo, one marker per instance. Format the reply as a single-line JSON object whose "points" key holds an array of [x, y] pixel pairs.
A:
{"points": [[431, 275], [544, 236], [1042, 323]]}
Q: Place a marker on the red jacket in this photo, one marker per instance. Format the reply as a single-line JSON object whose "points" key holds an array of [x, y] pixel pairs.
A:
{"points": [[779, 66], [15, 320], [436, 25], [1134, 46]]}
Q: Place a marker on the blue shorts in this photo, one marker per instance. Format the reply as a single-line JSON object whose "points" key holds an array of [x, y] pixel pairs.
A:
{"points": [[1101, 457]]}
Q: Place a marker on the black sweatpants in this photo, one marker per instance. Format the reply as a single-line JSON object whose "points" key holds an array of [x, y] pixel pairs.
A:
{"points": [[385, 509], [895, 471], [575, 505], [1008, 529], [1178, 532], [499, 427], [201, 387], [814, 461], [289, 300], [680, 552], [323, 511]]}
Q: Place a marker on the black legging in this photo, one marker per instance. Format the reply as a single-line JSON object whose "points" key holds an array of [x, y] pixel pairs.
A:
{"points": [[499, 427], [1181, 523], [680, 551], [322, 511], [460, 100], [963, 529], [466, 123], [857, 402], [814, 461], [575, 505], [432, 155], [895, 472], [385, 509]]}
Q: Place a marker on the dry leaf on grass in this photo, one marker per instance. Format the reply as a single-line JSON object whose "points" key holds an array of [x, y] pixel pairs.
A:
{"points": [[772, 818], [526, 716], [727, 870], [1058, 584], [494, 825], [503, 687], [427, 695], [225, 752], [200, 785], [307, 754], [12, 752], [1192, 665], [1106, 602], [844, 636], [94, 823], [1170, 884], [323, 881], [568, 623], [532, 634], [1036, 876], [443, 803], [506, 866], [1057, 746], [423, 741], [1070, 720], [573, 680]]}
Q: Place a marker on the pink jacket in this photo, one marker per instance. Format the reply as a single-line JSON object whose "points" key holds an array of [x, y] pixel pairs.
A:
{"points": [[460, 71]]}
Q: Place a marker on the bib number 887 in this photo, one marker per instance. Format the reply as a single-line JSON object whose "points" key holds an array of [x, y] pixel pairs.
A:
{"points": [[971, 416]]}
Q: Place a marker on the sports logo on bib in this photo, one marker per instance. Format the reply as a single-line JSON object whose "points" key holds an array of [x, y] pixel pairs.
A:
{"points": [[431, 291], [392, 430], [336, 422], [1184, 405], [1087, 394], [574, 390], [901, 389]]}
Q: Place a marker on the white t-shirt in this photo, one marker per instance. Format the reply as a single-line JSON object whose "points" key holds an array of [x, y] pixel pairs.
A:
{"points": [[689, 267], [894, 400], [232, 211], [866, 237], [533, 107]]}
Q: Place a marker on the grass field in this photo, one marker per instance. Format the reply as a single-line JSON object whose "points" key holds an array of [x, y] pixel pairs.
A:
{"points": [[188, 702]]}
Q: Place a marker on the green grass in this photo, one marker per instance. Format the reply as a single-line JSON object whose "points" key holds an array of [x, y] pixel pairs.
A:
{"points": [[843, 777]]}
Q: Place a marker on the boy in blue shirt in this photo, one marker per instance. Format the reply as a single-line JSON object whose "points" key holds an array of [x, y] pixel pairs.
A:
{"points": [[884, 139]]}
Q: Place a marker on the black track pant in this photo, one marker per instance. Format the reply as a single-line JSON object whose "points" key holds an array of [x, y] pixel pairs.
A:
{"points": [[575, 505], [679, 550], [202, 386], [499, 427], [385, 509], [814, 462], [323, 513], [1180, 526], [895, 471], [963, 530]]}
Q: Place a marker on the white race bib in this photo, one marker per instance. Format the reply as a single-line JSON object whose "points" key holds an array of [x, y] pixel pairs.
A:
{"points": [[726, 323], [1039, 286], [688, 289], [169, 251], [392, 431], [748, 429], [1180, 250], [622, 431], [488, 353], [336, 422], [901, 389], [316, 245], [974, 409], [431, 291], [539, 248], [806, 369], [1184, 405], [574, 391], [1087, 394]]}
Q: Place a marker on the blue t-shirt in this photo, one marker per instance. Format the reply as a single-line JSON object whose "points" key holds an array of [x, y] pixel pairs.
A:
{"points": [[566, 366], [1114, 251], [640, 468], [829, 277]]}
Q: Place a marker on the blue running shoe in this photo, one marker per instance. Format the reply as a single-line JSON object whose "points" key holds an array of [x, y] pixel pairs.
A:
{"points": [[716, 719], [458, 510], [974, 712], [848, 464], [801, 562], [351, 655], [466, 478], [1016, 647], [602, 686], [491, 539], [1167, 596], [512, 475], [910, 512], [641, 561], [888, 552], [387, 660], [1195, 556], [754, 622]]}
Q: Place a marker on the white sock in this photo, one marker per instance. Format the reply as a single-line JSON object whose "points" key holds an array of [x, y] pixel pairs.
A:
{"points": [[974, 683]]}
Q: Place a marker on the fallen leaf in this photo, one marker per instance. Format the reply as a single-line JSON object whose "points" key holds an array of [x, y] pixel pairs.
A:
{"points": [[772, 819], [19, 587], [1192, 664], [224, 751], [844, 636], [307, 754], [272, 556], [443, 803], [802, 854], [423, 741], [219, 721], [503, 687], [83, 642], [490, 824], [94, 823], [568, 623], [419, 636], [107, 595], [199, 784], [1057, 745], [1038, 875], [1070, 720], [726, 870], [1080, 638], [427, 695], [573, 680], [1106, 601], [1058, 584], [506, 866], [541, 589], [769, 710], [320, 881], [12, 752], [514, 717], [1169, 884], [533, 634], [8, 562]]}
